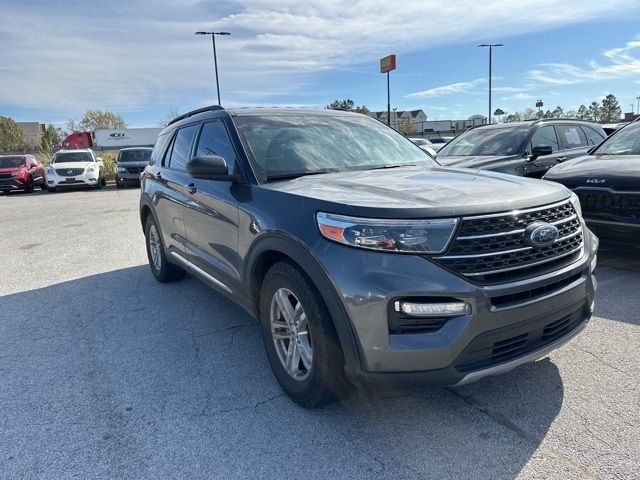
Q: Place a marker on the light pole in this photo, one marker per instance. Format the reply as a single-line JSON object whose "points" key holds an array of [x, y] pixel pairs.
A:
{"points": [[490, 45], [395, 119], [215, 58], [638, 109]]}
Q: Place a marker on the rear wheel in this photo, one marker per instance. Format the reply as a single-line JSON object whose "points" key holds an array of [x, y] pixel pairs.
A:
{"points": [[160, 267], [300, 339], [43, 187]]}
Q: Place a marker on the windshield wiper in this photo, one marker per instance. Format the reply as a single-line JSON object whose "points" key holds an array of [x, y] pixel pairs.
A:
{"points": [[288, 176], [381, 167]]}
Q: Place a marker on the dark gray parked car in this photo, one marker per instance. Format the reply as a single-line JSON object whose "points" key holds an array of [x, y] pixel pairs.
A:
{"points": [[365, 262], [130, 163], [528, 148]]}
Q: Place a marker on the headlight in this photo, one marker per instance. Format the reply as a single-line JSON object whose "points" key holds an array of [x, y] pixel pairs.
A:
{"points": [[50, 171], [120, 168], [411, 236], [90, 169], [17, 174], [575, 201]]}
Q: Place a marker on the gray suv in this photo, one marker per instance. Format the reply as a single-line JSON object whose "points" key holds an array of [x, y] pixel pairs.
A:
{"points": [[365, 262], [130, 163]]}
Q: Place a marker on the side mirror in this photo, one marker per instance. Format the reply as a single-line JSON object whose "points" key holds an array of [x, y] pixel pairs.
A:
{"points": [[209, 167], [540, 151], [99, 159]]}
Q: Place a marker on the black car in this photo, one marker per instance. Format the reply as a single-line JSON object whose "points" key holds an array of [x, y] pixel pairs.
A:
{"points": [[362, 258], [607, 181], [528, 148], [130, 163]]}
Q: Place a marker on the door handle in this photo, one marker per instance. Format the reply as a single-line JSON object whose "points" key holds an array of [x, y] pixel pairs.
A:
{"points": [[561, 159], [158, 176], [191, 188]]}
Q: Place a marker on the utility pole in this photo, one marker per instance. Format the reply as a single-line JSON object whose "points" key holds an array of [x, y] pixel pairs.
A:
{"points": [[491, 46], [215, 57], [388, 64]]}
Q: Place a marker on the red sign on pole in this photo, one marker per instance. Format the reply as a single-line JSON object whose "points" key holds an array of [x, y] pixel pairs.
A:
{"points": [[387, 64]]}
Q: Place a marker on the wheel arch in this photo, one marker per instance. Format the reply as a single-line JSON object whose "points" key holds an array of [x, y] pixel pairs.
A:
{"points": [[271, 249]]}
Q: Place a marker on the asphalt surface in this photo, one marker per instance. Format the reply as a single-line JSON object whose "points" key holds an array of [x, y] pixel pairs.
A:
{"points": [[105, 373]]}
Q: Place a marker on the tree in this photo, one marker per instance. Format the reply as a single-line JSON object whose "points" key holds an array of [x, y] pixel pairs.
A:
{"points": [[173, 113], [610, 110], [498, 113], [570, 114], [347, 105], [101, 119], [594, 111], [50, 139], [11, 137], [407, 127], [583, 113], [528, 113], [558, 112], [513, 117]]}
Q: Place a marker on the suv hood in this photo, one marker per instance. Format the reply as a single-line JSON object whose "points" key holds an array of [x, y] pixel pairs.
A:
{"points": [[12, 169], [473, 161], [64, 165], [613, 171], [420, 191]]}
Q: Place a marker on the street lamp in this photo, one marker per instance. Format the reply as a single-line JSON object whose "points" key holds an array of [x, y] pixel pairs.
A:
{"points": [[215, 58], [638, 109], [490, 45]]}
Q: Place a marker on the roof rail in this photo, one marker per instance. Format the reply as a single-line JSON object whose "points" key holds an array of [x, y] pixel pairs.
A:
{"points": [[210, 108]]}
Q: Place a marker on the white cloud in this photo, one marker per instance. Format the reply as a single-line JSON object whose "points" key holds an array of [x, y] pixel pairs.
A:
{"points": [[60, 55], [518, 96], [620, 62], [460, 87]]}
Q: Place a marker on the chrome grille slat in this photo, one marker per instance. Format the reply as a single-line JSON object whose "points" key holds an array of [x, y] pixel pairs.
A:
{"points": [[490, 245]]}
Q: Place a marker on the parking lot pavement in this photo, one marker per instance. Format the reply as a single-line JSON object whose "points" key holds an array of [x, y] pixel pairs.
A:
{"points": [[105, 373]]}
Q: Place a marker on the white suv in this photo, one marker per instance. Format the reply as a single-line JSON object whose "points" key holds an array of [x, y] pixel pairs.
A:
{"points": [[73, 168]]}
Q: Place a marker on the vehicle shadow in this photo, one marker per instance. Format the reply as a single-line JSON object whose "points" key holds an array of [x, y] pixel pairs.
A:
{"points": [[116, 375]]}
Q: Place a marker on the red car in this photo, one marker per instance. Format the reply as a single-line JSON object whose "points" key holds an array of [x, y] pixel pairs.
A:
{"points": [[21, 172]]}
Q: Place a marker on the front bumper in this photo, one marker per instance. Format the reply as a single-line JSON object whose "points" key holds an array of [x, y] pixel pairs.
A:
{"points": [[466, 347], [84, 179], [125, 177], [9, 184]]}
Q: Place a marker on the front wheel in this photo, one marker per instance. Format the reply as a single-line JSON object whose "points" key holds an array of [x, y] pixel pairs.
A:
{"points": [[160, 267], [300, 338], [29, 186], [51, 189]]}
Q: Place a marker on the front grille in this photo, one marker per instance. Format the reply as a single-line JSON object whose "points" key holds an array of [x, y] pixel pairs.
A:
{"points": [[4, 176], [493, 248], [610, 203], [503, 301], [69, 172], [134, 169]]}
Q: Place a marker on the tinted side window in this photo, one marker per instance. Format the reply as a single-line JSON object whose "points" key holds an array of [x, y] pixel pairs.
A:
{"points": [[571, 136], [544, 136], [592, 135], [215, 141], [158, 149], [182, 148]]}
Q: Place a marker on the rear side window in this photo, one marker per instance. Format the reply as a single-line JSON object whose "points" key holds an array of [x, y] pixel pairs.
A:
{"points": [[592, 135], [159, 148], [571, 136], [214, 140], [182, 148], [544, 136]]}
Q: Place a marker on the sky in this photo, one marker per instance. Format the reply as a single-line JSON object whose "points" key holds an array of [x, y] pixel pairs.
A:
{"points": [[142, 60]]}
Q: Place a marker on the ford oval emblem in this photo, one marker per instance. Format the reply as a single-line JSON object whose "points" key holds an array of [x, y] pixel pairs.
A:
{"points": [[540, 234]]}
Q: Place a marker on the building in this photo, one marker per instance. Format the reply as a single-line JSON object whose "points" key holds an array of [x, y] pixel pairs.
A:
{"points": [[417, 118], [32, 132]]}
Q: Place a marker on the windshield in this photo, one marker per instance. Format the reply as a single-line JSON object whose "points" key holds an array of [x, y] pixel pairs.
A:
{"points": [[486, 141], [72, 157], [134, 156], [420, 142], [624, 142], [11, 162], [292, 145], [437, 140]]}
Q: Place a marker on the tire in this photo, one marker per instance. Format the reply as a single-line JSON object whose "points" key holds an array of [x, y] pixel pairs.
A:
{"points": [[43, 187], [51, 189], [118, 184], [162, 269], [323, 381], [104, 181], [28, 188], [98, 185]]}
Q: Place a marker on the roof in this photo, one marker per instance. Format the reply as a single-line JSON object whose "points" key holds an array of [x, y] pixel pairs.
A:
{"points": [[531, 122], [136, 148]]}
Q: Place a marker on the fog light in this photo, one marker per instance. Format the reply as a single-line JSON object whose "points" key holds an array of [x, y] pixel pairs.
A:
{"points": [[432, 309]]}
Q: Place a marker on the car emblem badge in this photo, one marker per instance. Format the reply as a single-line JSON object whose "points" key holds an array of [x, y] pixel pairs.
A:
{"points": [[595, 180], [69, 172], [540, 234]]}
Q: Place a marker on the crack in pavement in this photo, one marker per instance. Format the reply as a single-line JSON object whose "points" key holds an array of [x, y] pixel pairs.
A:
{"points": [[523, 434]]}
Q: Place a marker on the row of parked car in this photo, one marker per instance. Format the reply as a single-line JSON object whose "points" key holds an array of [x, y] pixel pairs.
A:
{"points": [[604, 171], [70, 168]]}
